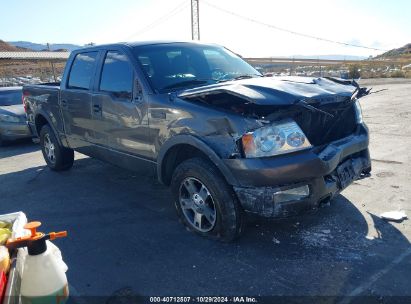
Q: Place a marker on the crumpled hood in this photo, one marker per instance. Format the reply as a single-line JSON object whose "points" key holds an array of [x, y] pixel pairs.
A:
{"points": [[15, 110], [278, 90]]}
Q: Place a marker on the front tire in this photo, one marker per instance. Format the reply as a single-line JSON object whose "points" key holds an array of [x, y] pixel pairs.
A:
{"points": [[205, 203], [57, 157]]}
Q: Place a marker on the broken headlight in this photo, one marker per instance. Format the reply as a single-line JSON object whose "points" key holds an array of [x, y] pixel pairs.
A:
{"points": [[279, 138]]}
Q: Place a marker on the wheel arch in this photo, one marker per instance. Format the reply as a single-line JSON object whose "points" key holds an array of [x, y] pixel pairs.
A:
{"points": [[182, 147], [42, 119]]}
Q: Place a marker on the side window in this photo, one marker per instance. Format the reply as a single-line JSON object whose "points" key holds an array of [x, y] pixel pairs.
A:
{"points": [[117, 75], [82, 69]]}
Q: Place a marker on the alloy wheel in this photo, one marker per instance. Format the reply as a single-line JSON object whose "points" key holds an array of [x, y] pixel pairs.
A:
{"points": [[49, 148], [197, 204]]}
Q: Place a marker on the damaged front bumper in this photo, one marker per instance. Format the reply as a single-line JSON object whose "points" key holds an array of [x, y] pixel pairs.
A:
{"points": [[289, 184]]}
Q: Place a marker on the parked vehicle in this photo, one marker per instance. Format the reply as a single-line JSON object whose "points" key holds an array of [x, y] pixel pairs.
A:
{"points": [[13, 122], [225, 139]]}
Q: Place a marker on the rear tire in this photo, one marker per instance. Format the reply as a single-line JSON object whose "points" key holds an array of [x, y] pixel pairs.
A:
{"points": [[206, 204], [57, 157]]}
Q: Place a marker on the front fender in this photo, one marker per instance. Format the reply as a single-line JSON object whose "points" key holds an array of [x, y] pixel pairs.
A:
{"points": [[198, 144]]}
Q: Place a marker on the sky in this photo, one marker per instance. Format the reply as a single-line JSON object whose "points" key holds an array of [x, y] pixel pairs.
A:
{"points": [[380, 24]]}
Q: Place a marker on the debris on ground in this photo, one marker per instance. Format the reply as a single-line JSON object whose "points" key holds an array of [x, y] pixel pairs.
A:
{"points": [[394, 215], [276, 241], [315, 239]]}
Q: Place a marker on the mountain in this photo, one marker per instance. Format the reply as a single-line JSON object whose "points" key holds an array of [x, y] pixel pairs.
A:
{"points": [[43, 47], [6, 47], [404, 51]]}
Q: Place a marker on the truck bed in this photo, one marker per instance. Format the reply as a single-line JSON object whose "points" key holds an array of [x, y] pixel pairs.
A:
{"points": [[46, 85], [43, 99]]}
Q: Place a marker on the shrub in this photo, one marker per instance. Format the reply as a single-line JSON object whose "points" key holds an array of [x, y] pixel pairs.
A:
{"points": [[354, 71], [398, 74]]}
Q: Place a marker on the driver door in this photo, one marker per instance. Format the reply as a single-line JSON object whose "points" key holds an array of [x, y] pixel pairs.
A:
{"points": [[119, 110]]}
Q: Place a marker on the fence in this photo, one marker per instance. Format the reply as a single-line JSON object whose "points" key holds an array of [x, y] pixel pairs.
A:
{"points": [[19, 72]]}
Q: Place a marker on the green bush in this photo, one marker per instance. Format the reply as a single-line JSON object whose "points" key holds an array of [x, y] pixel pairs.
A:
{"points": [[354, 71]]}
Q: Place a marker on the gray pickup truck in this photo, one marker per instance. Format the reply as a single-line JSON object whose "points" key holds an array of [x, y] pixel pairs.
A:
{"points": [[225, 139]]}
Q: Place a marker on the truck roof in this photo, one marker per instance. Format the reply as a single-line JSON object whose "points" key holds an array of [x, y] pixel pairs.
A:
{"points": [[143, 43]]}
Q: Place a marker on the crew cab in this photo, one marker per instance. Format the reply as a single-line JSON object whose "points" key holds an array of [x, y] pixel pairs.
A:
{"points": [[226, 139]]}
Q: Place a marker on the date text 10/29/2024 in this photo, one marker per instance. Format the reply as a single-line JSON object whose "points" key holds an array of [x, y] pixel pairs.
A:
{"points": [[207, 299]]}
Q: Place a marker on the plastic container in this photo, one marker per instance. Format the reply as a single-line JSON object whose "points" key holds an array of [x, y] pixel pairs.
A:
{"points": [[43, 280], [18, 219]]}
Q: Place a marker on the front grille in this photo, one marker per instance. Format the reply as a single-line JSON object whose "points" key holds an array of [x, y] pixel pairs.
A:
{"points": [[316, 125]]}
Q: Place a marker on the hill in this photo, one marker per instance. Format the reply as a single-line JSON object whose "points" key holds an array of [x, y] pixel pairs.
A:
{"points": [[42, 47], [404, 51], [6, 47]]}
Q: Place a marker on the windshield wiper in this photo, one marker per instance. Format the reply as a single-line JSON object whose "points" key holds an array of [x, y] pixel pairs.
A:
{"points": [[239, 77], [185, 83]]}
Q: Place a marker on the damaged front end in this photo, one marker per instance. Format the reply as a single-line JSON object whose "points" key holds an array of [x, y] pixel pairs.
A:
{"points": [[309, 144]]}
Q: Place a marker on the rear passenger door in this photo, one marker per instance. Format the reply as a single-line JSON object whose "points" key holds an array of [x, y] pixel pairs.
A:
{"points": [[119, 108], [76, 100]]}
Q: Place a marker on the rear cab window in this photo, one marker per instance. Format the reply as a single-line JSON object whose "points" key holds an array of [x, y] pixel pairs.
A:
{"points": [[82, 70], [117, 75]]}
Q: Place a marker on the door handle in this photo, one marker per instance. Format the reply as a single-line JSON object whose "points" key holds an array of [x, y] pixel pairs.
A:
{"points": [[64, 103]]}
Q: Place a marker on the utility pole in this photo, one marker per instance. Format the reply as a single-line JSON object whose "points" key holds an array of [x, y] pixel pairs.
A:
{"points": [[52, 64], [195, 20]]}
